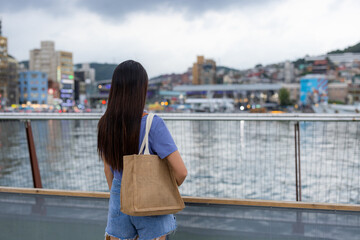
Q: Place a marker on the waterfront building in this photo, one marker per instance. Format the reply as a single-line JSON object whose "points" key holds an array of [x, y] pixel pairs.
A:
{"points": [[204, 71], [338, 91], [294, 90], [249, 93], [8, 75], [65, 75], [313, 89], [3, 69], [12, 86], [58, 65], [44, 59], [84, 78], [33, 87]]}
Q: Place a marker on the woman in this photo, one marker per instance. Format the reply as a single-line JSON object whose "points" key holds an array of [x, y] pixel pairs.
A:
{"points": [[120, 132]]}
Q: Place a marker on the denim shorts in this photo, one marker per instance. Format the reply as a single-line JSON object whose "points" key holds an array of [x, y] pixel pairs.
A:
{"points": [[123, 226]]}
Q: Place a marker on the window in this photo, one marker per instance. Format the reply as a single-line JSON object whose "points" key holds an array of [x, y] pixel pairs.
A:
{"points": [[44, 82], [43, 89], [25, 95], [43, 75], [34, 89], [42, 102], [25, 89], [36, 82], [34, 75], [43, 95]]}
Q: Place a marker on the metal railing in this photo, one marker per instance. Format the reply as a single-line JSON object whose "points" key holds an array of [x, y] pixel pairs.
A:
{"points": [[251, 156]]}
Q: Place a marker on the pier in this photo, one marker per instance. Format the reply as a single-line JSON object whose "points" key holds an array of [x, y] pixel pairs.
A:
{"points": [[251, 176]]}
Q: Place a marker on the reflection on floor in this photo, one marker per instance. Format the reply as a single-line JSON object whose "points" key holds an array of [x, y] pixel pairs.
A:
{"points": [[28, 216]]}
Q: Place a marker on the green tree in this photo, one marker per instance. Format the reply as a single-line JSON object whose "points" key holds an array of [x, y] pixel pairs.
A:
{"points": [[284, 97]]}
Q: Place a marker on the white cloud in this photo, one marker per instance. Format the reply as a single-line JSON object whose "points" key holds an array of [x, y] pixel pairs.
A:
{"points": [[166, 41]]}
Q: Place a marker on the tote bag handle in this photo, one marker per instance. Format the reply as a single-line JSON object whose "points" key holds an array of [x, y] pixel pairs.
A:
{"points": [[145, 142]]}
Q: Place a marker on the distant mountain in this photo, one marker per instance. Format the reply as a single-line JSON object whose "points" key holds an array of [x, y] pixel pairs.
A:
{"points": [[354, 49], [103, 71]]}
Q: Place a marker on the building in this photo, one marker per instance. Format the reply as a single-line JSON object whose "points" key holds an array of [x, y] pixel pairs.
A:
{"points": [[338, 92], [249, 93], [204, 71], [354, 92], [294, 90], [58, 65], [313, 89], [33, 87], [84, 79], [289, 72], [3, 69], [337, 58], [8, 75], [44, 59], [344, 58], [12, 86], [65, 76]]}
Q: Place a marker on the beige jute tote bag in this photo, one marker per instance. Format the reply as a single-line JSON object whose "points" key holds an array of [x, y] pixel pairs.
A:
{"points": [[148, 185]]}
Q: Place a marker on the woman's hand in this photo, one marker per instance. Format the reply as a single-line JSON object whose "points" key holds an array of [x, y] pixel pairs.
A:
{"points": [[178, 167]]}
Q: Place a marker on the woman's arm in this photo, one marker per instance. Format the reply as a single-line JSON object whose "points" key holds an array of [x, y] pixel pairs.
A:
{"points": [[108, 174], [178, 167]]}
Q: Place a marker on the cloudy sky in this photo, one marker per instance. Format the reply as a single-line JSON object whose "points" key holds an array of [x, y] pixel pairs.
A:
{"points": [[166, 35]]}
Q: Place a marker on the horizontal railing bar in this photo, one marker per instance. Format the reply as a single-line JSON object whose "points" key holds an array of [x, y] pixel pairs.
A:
{"points": [[202, 200], [56, 192], [50, 116], [192, 116]]}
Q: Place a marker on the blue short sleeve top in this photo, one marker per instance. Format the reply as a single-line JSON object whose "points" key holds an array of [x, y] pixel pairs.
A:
{"points": [[161, 142]]}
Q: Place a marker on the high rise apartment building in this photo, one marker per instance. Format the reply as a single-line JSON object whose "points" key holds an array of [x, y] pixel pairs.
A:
{"points": [[8, 75], [12, 87], [204, 71], [65, 75], [3, 69], [58, 65], [44, 59]]}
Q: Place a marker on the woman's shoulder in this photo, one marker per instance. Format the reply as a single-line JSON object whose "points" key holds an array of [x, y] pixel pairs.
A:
{"points": [[157, 121]]}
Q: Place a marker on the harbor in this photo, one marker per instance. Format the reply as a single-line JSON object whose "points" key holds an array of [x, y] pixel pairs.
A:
{"points": [[257, 108], [246, 170]]}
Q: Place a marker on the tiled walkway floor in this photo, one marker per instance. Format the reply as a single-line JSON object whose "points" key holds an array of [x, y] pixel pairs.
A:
{"points": [[30, 217]]}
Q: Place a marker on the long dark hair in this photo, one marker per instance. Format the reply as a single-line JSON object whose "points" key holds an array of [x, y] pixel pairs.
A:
{"points": [[119, 127]]}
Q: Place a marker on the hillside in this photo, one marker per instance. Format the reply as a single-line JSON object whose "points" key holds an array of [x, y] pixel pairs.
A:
{"points": [[354, 49]]}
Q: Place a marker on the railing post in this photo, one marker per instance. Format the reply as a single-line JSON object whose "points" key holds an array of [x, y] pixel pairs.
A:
{"points": [[297, 162], [32, 153], [296, 170]]}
